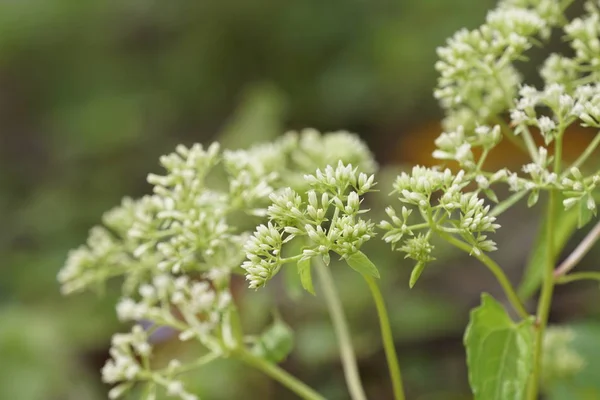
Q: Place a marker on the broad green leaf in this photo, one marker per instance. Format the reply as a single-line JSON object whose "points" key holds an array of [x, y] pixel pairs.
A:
{"points": [[275, 343], [499, 352], [361, 263], [305, 275], [416, 273], [565, 222]]}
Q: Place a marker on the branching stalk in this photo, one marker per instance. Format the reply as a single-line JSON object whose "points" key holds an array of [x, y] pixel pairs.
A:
{"points": [[506, 204], [580, 251], [388, 338], [280, 375], [510, 292], [586, 153], [579, 276]]}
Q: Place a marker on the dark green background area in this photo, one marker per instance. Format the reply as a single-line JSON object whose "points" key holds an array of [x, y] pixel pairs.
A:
{"points": [[93, 92]]}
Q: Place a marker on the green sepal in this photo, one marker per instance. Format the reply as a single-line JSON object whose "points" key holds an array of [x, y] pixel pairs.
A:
{"points": [[491, 195], [533, 198], [360, 262], [415, 274], [585, 214], [305, 275]]}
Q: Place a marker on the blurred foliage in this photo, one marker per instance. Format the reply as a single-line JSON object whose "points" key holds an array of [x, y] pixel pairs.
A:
{"points": [[585, 385], [92, 92]]}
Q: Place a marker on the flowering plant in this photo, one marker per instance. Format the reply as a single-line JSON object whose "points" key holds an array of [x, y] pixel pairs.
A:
{"points": [[302, 197]]}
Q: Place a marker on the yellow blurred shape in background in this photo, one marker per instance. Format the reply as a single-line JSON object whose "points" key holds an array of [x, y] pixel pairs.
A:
{"points": [[416, 147]]}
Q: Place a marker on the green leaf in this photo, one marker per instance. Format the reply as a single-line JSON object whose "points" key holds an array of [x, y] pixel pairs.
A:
{"points": [[415, 274], [499, 352], [275, 343], [565, 224], [361, 263], [326, 259], [533, 198], [305, 275], [293, 287], [491, 195], [585, 214]]}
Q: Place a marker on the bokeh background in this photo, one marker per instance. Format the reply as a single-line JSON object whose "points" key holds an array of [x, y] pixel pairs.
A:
{"points": [[93, 92]]}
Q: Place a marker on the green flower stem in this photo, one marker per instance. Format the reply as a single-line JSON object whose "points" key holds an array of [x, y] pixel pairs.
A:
{"points": [[277, 373], [507, 203], [544, 303], [495, 269], [527, 145], [579, 276], [543, 310], [388, 338], [530, 143], [586, 153], [482, 159], [200, 362], [342, 332]]}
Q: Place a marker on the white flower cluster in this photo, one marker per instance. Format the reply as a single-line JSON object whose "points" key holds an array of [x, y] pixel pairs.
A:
{"points": [[317, 151], [444, 206], [566, 108], [285, 161], [292, 215], [200, 306], [579, 190], [584, 35], [81, 267], [477, 78], [551, 11], [130, 354], [458, 146], [186, 224], [567, 98], [192, 223], [583, 106]]}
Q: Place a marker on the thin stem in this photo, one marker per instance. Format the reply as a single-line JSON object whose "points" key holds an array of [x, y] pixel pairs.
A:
{"points": [[482, 159], [277, 373], [201, 361], [579, 276], [545, 301], [586, 153], [495, 269], [342, 332], [507, 131], [507, 203], [388, 338], [580, 251], [418, 226], [530, 143]]}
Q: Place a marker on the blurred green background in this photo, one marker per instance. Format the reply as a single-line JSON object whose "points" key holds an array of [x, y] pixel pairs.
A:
{"points": [[93, 92]]}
